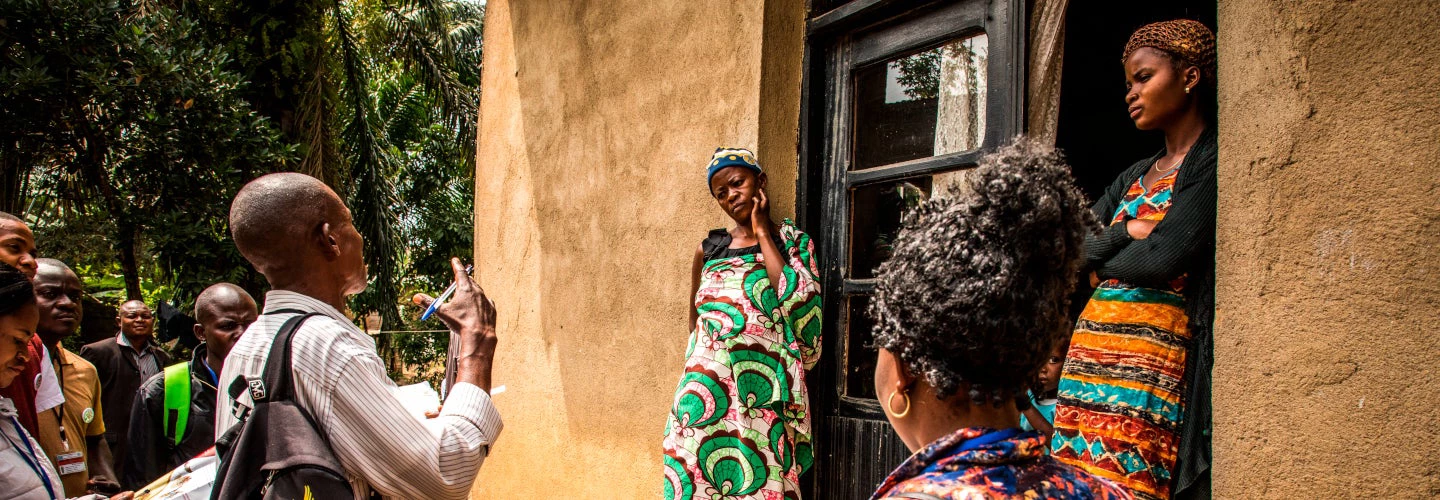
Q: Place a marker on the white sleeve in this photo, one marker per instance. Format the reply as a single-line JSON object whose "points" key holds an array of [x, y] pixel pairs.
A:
{"points": [[376, 438], [47, 391]]}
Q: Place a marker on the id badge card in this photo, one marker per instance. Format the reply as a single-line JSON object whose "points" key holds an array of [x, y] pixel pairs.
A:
{"points": [[70, 463]]}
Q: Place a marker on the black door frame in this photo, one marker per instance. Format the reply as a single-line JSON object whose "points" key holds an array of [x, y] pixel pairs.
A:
{"points": [[853, 444]]}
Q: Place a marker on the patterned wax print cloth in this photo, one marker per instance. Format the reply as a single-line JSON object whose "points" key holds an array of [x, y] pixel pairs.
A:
{"points": [[1120, 407], [740, 423], [980, 463]]}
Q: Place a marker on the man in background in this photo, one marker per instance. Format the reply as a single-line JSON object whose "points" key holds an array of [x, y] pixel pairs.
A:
{"points": [[125, 361], [160, 438]]}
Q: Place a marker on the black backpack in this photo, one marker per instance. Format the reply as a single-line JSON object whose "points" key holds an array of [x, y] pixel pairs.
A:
{"points": [[275, 452]]}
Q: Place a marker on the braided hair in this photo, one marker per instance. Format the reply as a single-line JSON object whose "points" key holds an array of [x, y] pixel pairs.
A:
{"points": [[978, 288]]}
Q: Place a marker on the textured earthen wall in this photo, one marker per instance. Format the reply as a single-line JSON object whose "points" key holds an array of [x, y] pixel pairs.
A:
{"points": [[1328, 297], [597, 119]]}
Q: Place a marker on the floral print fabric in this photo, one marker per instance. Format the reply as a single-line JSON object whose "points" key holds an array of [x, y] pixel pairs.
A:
{"points": [[740, 423], [1014, 467]]}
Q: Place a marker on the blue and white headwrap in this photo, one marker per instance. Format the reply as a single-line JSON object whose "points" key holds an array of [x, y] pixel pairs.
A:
{"points": [[730, 157]]}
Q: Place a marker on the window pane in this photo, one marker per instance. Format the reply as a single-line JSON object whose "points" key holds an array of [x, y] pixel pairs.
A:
{"points": [[859, 354], [875, 212], [924, 104], [875, 218]]}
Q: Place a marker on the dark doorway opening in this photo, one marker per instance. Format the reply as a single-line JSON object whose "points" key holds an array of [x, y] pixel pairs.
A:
{"points": [[1094, 131]]}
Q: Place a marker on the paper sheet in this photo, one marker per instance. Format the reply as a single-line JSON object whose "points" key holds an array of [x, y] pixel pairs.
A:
{"points": [[418, 399], [192, 480]]}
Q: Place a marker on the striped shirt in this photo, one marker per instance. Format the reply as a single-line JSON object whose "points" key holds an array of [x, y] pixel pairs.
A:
{"points": [[341, 383], [144, 357]]}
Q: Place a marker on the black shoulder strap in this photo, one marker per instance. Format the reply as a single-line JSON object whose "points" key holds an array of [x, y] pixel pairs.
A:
{"points": [[277, 382], [285, 311]]}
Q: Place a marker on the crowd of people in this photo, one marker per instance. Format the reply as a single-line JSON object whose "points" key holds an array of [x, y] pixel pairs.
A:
{"points": [[129, 416], [980, 369], [76, 448]]}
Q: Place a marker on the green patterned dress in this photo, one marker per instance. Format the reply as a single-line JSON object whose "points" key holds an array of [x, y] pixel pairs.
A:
{"points": [[740, 423]]}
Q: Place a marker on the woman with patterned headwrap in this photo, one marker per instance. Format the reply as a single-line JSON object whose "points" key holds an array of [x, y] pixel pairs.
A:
{"points": [[740, 423], [1134, 394]]}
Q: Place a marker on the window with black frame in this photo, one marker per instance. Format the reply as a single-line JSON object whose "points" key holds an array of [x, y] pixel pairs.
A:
{"points": [[909, 97]]}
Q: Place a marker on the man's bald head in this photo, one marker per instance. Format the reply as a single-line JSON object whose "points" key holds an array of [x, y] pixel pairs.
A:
{"points": [[222, 312], [50, 265], [57, 292], [221, 297], [134, 305], [136, 319], [275, 218]]}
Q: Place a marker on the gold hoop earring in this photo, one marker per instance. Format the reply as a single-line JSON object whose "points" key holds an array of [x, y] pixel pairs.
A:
{"points": [[890, 406]]}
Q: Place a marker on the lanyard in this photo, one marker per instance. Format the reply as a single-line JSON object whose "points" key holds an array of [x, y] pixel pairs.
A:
{"points": [[214, 379], [31, 459], [982, 440], [59, 411]]}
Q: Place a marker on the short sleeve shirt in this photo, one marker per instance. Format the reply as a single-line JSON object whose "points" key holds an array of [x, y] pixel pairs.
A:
{"points": [[47, 387], [81, 417]]}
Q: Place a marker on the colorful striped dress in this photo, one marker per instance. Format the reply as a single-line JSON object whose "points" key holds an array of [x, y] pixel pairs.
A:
{"points": [[739, 426], [1120, 399]]}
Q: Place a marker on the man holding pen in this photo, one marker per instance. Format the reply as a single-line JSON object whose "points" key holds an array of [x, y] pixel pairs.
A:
{"points": [[299, 235]]}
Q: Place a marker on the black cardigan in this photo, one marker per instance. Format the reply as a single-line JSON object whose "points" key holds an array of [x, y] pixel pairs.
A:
{"points": [[1181, 243]]}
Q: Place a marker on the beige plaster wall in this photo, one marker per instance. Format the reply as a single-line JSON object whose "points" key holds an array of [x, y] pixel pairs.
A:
{"points": [[1328, 296], [597, 119]]}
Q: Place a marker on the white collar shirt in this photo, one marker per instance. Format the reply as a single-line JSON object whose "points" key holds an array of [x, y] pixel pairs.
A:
{"points": [[341, 382]]}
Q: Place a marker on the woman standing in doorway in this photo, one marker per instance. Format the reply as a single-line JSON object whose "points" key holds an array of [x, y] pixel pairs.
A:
{"points": [[1134, 395], [740, 423]]}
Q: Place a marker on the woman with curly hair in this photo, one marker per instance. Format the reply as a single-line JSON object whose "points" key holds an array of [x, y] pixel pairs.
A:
{"points": [[740, 424], [967, 309], [1134, 403]]}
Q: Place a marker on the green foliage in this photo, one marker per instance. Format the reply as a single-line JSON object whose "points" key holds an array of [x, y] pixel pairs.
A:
{"points": [[137, 121], [410, 99], [919, 74], [136, 133]]}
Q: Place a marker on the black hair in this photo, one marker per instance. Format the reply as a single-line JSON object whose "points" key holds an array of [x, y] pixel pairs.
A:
{"points": [[977, 291], [16, 291]]}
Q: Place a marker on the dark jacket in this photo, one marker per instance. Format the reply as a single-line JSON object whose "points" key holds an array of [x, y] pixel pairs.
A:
{"points": [[1183, 243], [152, 453], [119, 380]]}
